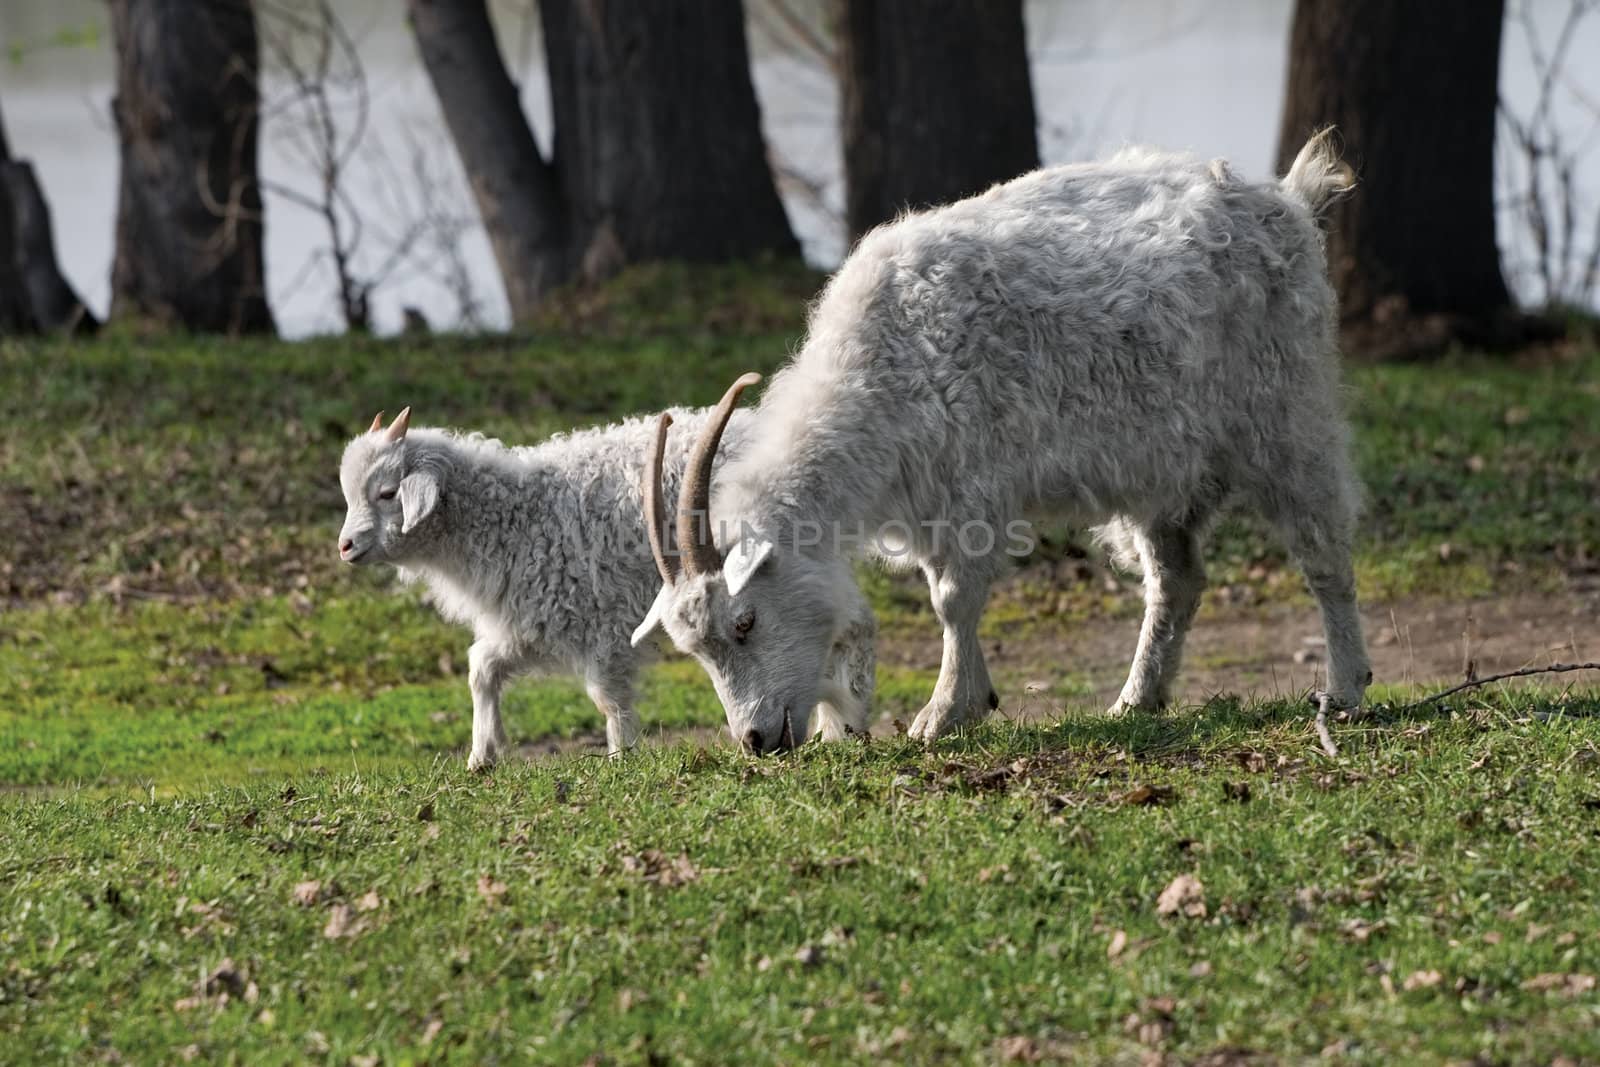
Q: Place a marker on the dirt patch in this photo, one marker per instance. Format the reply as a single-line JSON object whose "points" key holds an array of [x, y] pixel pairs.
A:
{"points": [[1277, 651], [1260, 652]]}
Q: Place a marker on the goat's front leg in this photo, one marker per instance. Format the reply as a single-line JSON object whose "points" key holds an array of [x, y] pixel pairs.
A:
{"points": [[488, 667], [851, 679], [963, 693], [612, 692]]}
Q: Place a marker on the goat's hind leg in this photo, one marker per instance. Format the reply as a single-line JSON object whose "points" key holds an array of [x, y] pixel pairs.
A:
{"points": [[1316, 519], [611, 688], [1174, 578]]}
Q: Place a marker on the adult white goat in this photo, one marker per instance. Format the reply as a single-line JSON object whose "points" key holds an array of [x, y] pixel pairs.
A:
{"points": [[1132, 343], [542, 551]]}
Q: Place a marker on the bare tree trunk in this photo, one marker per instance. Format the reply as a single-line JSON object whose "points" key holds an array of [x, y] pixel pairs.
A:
{"points": [[189, 221], [1412, 89], [658, 148], [658, 134], [33, 292], [935, 102], [516, 190], [15, 314]]}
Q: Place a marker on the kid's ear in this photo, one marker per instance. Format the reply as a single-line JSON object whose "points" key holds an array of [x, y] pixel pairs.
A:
{"points": [[743, 561], [652, 618], [419, 495]]}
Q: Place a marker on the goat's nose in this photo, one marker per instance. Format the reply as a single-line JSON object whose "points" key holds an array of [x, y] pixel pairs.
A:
{"points": [[752, 741], [345, 546]]}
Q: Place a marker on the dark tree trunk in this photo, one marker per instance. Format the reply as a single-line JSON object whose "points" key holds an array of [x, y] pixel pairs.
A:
{"points": [[15, 314], [1412, 89], [516, 190], [658, 149], [935, 102], [189, 204], [658, 135], [33, 292]]}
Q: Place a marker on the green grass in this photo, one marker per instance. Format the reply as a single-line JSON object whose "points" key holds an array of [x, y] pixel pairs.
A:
{"points": [[162, 467], [199, 710], [848, 903]]}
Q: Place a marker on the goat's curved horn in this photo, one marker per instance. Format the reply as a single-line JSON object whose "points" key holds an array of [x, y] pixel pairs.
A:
{"points": [[377, 423], [655, 504], [694, 498], [401, 423]]}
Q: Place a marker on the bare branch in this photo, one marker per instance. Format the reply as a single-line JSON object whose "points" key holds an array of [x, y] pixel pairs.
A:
{"points": [[1477, 683]]}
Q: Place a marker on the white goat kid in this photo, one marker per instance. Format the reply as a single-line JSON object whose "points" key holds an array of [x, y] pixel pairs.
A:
{"points": [[1131, 343], [542, 551]]}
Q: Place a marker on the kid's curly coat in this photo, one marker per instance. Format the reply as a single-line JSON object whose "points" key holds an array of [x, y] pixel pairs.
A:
{"points": [[542, 552]]}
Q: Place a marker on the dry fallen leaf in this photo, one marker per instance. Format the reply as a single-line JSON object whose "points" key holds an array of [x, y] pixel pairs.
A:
{"points": [[1147, 795], [1185, 895], [1018, 1048], [306, 894], [224, 978], [1421, 980], [1151, 1032], [369, 901], [430, 1031], [212, 919], [342, 922], [1568, 985], [1119, 941], [1361, 930], [1201, 969], [654, 866], [490, 890]]}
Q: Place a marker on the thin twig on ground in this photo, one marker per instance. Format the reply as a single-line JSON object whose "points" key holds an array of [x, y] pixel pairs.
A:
{"points": [[1474, 683], [1325, 738]]}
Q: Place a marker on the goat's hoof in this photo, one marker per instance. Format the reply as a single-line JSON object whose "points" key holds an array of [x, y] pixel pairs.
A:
{"points": [[1126, 707], [937, 720], [1340, 710], [480, 763]]}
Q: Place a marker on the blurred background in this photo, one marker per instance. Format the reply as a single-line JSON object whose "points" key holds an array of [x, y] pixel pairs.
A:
{"points": [[367, 211]]}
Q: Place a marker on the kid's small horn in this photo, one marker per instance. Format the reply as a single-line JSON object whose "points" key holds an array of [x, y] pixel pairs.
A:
{"points": [[377, 423]]}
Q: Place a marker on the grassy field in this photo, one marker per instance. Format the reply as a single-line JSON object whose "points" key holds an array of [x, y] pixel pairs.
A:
{"points": [[202, 714]]}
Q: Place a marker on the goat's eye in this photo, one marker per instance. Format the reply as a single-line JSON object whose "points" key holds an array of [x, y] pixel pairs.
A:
{"points": [[387, 494], [743, 625]]}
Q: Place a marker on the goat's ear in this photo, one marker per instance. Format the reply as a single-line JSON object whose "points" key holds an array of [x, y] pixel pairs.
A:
{"points": [[419, 495], [652, 618], [743, 561]]}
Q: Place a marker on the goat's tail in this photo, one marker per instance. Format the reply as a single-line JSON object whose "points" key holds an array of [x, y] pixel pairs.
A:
{"points": [[1318, 176]]}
